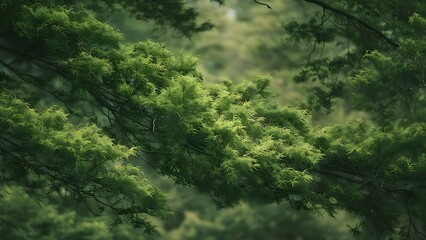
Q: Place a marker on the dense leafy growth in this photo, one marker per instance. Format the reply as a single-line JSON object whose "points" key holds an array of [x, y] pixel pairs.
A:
{"points": [[81, 109], [382, 69]]}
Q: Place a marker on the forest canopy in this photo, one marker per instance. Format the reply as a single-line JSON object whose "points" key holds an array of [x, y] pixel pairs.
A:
{"points": [[82, 111]]}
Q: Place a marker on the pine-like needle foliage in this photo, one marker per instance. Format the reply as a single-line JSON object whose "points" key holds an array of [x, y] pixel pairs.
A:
{"points": [[79, 107]]}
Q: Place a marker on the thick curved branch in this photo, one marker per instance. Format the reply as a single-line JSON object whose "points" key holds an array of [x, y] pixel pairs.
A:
{"points": [[355, 19]]}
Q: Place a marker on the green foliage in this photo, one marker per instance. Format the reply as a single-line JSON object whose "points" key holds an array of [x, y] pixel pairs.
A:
{"points": [[254, 222], [22, 218], [395, 83], [381, 70], [82, 90], [174, 13], [45, 152]]}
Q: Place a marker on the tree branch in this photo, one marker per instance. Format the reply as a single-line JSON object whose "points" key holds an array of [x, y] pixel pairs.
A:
{"points": [[356, 19], [366, 182], [261, 3]]}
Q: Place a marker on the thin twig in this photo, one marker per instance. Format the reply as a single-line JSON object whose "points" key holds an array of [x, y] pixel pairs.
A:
{"points": [[264, 4], [356, 19]]}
